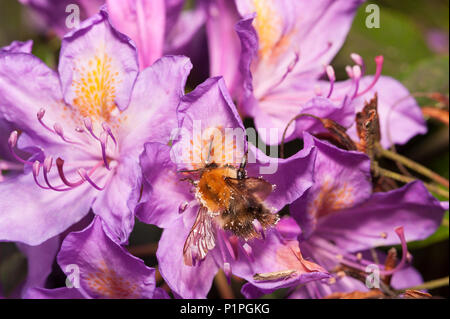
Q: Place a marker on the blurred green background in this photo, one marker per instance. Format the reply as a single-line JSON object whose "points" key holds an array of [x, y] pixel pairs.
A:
{"points": [[413, 38]]}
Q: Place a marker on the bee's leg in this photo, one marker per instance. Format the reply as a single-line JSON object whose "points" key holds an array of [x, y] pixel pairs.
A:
{"points": [[189, 170], [190, 180], [241, 173]]}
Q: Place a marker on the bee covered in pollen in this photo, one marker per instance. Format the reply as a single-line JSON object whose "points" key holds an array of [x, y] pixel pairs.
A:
{"points": [[229, 200], [213, 195]]}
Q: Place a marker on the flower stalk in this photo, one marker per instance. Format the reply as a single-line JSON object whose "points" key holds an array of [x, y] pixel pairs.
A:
{"points": [[413, 165]]}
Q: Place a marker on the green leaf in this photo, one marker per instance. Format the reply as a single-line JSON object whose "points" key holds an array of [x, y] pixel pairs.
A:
{"points": [[428, 75], [440, 235], [398, 39]]}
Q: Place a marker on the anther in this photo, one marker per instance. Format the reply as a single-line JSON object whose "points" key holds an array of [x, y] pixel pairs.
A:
{"points": [[48, 162], [182, 207], [356, 71], [357, 59], [259, 228], [47, 166], [249, 251], [40, 114], [349, 71], [36, 168], [108, 130], [12, 141], [88, 124], [59, 130], [332, 77]]}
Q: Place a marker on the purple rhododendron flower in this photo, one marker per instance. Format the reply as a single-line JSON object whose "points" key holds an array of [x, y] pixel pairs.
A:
{"points": [[156, 26], [117, 132], [84, 128], [7, 161], [98, 267], [284, 47], [52, 14], [339, 217], [41, 258], [195, 244]]}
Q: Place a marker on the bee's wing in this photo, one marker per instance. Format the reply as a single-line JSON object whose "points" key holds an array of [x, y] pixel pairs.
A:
{"points": [[246, 206], [257, 187], [201, 238]]}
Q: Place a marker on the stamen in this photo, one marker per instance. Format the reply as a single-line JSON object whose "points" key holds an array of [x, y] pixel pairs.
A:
{"points": [[259, 228], [82, 172], [336, 253], [36, 169], [40, 115], [108, 130], [401, 235], [57, 128], [59, 165], [182, 207], [60, 132], [103, 141], [48, 162], [359, 60], [360, 264], [249, 252], [79, 129], [332, 77], [12, 142], [379, 62], [88, 124]]}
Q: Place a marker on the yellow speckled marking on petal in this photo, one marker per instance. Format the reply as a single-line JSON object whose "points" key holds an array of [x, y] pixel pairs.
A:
{"points": [[331, 199], [95, 85], [268, 25], [108, 284], [222, 150]]}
